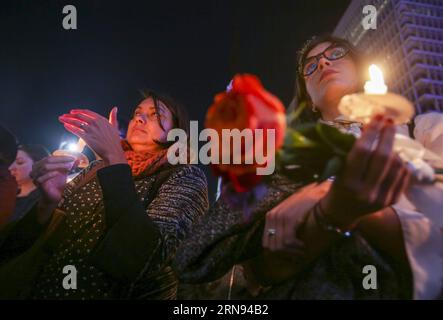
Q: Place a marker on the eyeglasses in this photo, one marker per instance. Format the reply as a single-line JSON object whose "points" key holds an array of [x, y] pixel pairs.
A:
{"points": [[333, 52]]}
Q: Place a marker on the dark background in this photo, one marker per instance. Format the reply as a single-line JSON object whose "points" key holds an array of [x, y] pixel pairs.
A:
{"points": [[188, 49]]}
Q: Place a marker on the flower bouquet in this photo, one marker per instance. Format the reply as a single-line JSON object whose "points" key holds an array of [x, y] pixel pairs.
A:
{"points": [[311, 152]]}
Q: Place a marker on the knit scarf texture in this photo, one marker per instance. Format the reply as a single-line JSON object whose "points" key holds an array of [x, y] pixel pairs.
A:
{"points": [[144, 164]]}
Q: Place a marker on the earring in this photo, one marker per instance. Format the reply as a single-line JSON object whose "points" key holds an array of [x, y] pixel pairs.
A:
{"points": [[314, 109]]}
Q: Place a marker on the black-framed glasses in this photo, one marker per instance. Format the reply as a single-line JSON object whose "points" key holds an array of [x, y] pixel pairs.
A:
{"points": [[333, 52]]}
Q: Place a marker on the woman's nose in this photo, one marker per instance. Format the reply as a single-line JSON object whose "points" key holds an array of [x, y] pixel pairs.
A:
{"points": [[323, 62], [140, 119]]}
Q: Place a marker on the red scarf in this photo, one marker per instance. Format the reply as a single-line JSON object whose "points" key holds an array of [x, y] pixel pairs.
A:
{"points": [[144, 164]]}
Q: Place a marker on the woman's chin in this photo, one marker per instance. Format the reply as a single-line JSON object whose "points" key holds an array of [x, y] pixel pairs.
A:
{"points": [[336, 88], [135, 144], [141, 144], [137, 139]]}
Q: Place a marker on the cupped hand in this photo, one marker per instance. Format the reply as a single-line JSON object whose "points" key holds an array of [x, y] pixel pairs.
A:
{"points": [[374, 176], [50, 175], [99, 133], [280, 233]]}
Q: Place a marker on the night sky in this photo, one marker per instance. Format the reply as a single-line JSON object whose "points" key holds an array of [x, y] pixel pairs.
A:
{"points": [[187, 49]]}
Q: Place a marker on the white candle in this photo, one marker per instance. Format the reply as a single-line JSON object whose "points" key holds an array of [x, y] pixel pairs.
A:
{"points": [[74, 150], [80, 145], [376, 84]]}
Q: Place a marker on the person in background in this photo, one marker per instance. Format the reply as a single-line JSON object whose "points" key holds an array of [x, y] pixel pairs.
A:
{"points": [[330, 67], [8, 185], [312, 241], [123, 217], [20, 169]]}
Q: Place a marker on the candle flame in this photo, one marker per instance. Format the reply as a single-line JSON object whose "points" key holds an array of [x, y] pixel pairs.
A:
{"points": [[81, 144], [74, 147], [376, 74], [376, 84]]}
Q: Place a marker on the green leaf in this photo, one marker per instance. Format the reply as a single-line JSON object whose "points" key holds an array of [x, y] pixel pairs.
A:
{"points": [[339, 142], [298, 140], [286, 157], [332, 168]]}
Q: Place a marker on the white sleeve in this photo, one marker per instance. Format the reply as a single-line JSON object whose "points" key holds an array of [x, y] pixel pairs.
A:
{"points": [[424, 247], [429, 131], [423, 231]]}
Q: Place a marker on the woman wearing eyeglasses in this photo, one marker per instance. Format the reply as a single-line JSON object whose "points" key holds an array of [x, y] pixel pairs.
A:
{"points": [[320, 241], [329, 68]]}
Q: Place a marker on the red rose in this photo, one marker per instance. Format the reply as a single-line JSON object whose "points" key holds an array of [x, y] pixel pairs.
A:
{"points": [[247, 105]]}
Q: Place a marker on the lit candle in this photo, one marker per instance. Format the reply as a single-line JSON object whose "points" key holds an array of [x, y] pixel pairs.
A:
{"points": [[376, 99], [77, 147], [376, 84], [74, 150]]}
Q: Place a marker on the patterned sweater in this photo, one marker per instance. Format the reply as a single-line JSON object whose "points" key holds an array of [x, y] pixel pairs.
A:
{"points": [[118, 238], [222, 238]]}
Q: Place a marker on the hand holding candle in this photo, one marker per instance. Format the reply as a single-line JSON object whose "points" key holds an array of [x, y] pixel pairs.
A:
{"points": [[99, 133], [75, 151], [376, 99]]}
